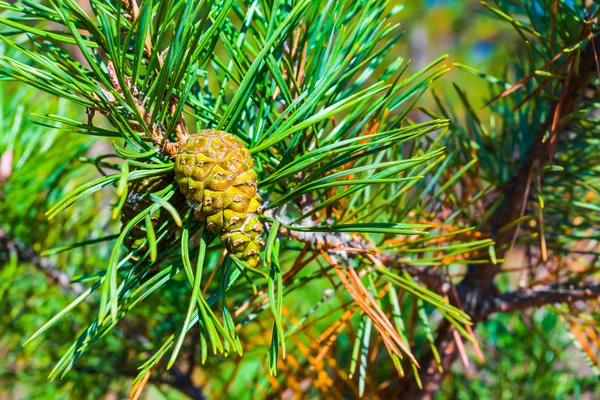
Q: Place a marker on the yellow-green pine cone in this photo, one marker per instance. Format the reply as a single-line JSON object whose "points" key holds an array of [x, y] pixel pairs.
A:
{"points": [[242, 236], [214, 172], [138, 200]]}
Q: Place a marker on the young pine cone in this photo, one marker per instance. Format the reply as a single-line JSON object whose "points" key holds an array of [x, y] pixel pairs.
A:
{"points": [[138, 200], [214, 172]]}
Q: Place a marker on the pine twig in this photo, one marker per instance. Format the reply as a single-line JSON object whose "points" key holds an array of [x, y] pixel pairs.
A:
{"points": [[544, 295], [45, 265], [477, 293]]}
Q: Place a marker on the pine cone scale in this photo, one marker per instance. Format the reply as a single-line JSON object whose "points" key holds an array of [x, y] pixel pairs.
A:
{"points": [[214, 171]]}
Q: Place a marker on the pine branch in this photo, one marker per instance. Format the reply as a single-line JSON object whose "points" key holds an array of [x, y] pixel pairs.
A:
{"points": [[362, 204], [544, 295], [46, 266], [505, 302], [540, 154], [476, 292]]}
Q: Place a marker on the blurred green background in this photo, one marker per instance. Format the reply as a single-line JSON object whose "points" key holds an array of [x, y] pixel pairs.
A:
{"points": [[466, 32]]}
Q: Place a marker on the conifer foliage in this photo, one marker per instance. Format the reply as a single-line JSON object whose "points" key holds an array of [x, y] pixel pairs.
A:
{"points": [[270, 204], [214, 171]]}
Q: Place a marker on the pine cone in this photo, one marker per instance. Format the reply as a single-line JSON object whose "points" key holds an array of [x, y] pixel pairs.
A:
{"points": [[138, 200], [214, 172]]}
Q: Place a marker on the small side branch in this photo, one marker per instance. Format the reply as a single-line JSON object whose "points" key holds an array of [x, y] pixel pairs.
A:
{"points": [[45, 265], [544, 295], [476, 291]]}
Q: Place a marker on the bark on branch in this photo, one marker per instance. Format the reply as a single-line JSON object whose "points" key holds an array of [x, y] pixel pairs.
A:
{"points": [[43, 264], [477, 294], [539, 154], [544, 295]]}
